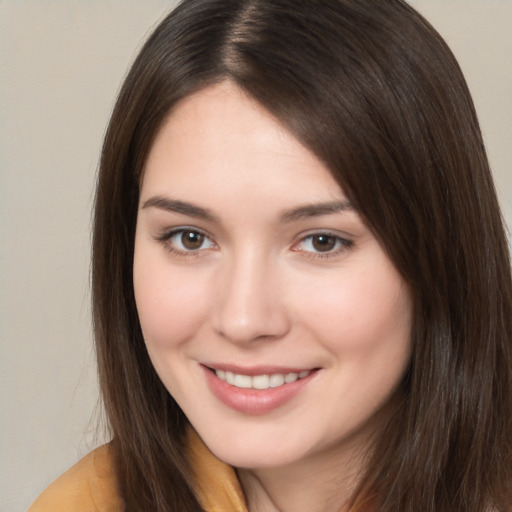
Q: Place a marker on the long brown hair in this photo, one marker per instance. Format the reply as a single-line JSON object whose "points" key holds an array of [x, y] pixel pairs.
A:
{"points": [[372, 89]]}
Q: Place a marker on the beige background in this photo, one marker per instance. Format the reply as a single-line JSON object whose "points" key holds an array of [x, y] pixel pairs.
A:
{"points": [[61, 63]]}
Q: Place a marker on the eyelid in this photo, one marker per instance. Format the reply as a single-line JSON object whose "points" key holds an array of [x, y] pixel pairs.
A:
{"points": [[344, 243], [166, 236]]}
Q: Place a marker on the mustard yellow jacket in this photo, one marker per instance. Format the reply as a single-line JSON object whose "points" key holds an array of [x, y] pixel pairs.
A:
{"points": [[90, 485]]}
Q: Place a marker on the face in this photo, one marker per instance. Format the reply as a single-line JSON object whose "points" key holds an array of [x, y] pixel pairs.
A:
{"points": [[269, 310]]}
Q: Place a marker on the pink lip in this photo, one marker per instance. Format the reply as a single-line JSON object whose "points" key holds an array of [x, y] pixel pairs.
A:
{"points": [[254, 401]]}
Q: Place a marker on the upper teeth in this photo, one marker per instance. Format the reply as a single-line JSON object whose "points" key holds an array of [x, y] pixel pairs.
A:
{"points": [[273, 380]]}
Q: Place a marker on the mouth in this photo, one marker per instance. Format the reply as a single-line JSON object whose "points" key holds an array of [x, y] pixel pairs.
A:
{"points": [[257, 390]]}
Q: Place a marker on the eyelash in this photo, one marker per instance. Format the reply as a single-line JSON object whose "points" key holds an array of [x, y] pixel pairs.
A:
{"points": [[340, 244], [166, 240]]}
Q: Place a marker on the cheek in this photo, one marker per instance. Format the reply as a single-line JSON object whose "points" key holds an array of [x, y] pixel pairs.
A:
{"points": [[360, 311], [364, 322], [170, 301]]}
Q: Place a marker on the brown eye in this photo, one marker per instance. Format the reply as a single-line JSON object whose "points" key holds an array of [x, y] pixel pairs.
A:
{"points": [[324, 243], [185, 241], [192, 240]]}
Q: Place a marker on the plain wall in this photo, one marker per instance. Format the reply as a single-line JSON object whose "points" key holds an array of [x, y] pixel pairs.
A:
{"points": [[61, 64]]}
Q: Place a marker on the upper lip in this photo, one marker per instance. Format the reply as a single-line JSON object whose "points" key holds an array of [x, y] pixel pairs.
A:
{"points": [[257, 370]]}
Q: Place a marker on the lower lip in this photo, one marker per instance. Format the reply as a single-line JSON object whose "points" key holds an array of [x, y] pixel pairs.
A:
{"points": [[254, 401]]}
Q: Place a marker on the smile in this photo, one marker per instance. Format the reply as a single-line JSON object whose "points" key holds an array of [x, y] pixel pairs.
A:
{"points": [[257, 390], [262, 382]]}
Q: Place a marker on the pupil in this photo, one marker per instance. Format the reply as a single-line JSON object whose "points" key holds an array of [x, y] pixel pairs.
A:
{"points": [[324, 243], [192, 240]]}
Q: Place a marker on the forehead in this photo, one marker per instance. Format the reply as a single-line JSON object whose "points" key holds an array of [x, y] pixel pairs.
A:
{"points": [[219, 139]]}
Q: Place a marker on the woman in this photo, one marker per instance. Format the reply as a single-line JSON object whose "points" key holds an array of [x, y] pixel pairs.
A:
{"points": [[301, 284]]}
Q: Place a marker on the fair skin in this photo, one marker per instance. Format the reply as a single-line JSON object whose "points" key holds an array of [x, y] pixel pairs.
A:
{"points": [[251, 266]]}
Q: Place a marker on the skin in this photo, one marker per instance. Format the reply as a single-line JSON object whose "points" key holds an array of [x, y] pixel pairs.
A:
{"points": [[263, 288]]}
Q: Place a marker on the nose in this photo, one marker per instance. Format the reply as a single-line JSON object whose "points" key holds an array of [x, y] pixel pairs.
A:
{"points": [[250, 305]]}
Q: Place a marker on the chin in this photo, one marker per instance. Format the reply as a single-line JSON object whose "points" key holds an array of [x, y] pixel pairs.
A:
{"points": [[257, 450], [256, 459]]}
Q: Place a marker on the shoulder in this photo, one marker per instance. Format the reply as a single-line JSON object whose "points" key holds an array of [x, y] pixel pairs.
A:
{"points": [[88, 486]]}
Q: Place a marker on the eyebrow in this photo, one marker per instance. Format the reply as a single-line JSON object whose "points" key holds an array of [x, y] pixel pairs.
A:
{"points": [[315, 210], [183, 207], [291, 215]]}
